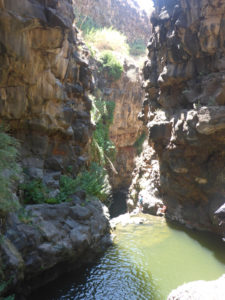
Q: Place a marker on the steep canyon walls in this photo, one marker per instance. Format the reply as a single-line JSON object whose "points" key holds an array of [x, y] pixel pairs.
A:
{"points": [[43, 86], [184, 107]]}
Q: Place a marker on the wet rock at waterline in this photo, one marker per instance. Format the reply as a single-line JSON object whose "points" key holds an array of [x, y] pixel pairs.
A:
{"points": [[220, 214], [43, 241], [207, 290], [184, 108], [126, 219]]}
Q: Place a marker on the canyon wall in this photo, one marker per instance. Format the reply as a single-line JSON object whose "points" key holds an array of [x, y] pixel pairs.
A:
{"points": [[125, 16], [184, 107], [44, 83], [125, 129]]}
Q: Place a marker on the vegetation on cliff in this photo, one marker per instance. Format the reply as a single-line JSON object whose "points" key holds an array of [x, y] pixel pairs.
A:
{"points": [[111, 65], [108, 38], [93, 181], [139, 142], [102, 148], [9, 172]]}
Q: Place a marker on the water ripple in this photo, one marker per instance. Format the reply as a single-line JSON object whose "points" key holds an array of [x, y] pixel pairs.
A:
{"points": [[145, 263]]}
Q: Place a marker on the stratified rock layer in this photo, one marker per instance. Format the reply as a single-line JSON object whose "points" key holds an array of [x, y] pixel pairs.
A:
{"points": [[184, 107], [43, 85]]}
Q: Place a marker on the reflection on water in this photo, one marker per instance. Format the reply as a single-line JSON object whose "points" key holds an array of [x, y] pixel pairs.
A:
{"points": [[146, 262]]}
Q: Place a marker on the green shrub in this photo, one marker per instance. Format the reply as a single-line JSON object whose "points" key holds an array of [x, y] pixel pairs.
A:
{"points": [[92, 50], [139, 142], [93, 181], [67, 188], [9, 171], [108, 39], [84, 23], [11, 297], [24, 215], [35, 192], [137, 48], [111, 64]]}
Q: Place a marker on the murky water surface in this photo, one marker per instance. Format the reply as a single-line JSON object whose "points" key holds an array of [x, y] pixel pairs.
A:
{"points": [[146, 262]]}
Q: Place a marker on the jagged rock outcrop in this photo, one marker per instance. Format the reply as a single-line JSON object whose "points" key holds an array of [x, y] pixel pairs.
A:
{"points": [[184, 107], [125, 16], [127, 94], [43, 86], [146, 182], [207, 290], [43, 241]]}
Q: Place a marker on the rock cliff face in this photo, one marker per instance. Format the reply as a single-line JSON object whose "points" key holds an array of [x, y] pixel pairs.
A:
{"points": [[184, 107], [146, 182], [125, 129], [43, 86], [125, 16], [127, 94]]}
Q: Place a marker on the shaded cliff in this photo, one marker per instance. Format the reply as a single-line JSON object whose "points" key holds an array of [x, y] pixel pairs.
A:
{"points": [[184, 107]]}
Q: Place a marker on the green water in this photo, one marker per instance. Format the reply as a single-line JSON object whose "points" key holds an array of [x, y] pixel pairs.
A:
{"points": [[146, 262]]}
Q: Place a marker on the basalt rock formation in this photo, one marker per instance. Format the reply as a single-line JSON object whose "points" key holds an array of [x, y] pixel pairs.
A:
{"points": [[125, 16], [44, 241], [44, 82], [146, 182], [184, 107], [127, 94]]}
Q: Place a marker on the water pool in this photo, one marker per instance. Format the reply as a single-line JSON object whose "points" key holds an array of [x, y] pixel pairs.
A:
{"points": [[146, 261]]}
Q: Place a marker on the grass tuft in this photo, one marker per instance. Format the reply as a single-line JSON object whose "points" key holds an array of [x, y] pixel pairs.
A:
{"points": [[108, 39]]}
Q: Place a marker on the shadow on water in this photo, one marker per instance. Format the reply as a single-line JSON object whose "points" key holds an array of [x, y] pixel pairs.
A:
{"points": [[139, 268], [205, 239], [119, 205], [113, 276]]}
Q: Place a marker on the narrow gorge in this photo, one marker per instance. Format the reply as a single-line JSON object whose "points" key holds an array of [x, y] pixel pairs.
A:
{"points": [[112, 160]]}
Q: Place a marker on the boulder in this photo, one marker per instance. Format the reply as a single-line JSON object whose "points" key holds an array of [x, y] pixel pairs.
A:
{"points": [[42, 238], [196, 290]]}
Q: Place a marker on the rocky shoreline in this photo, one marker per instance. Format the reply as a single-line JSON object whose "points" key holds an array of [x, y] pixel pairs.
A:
{"points": [[43, 241]]}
